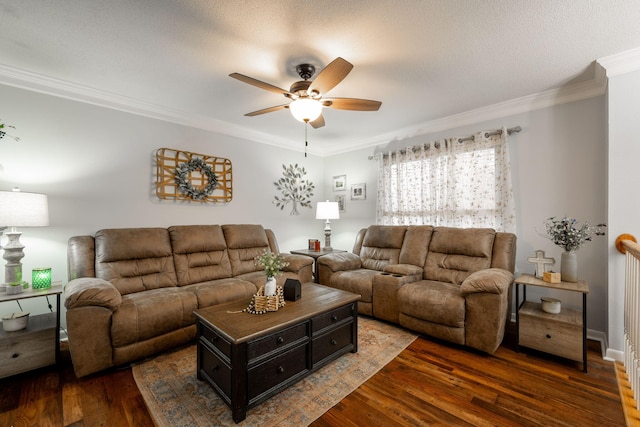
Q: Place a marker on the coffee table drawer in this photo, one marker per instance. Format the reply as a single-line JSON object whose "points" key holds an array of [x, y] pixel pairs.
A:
{"points": [[331, 343], [332, 317], [263, 346], [215, 340], [277, 371], [217, 372]]}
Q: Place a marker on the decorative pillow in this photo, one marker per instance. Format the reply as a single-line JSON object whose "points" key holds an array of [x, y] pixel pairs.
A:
{"points": [[491, 280]]}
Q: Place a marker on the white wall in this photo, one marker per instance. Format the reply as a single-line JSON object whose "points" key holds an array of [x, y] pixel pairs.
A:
{"points": [[558, 167], [624, 182], [97, 166]]}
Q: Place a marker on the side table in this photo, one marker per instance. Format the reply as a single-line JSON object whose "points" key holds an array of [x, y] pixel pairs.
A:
{"points": [[315, 255], [563, 334], [36, 346]]}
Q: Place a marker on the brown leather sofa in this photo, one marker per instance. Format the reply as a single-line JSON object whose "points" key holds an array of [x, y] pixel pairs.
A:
{"points": [[450, 283], [132, 292]]}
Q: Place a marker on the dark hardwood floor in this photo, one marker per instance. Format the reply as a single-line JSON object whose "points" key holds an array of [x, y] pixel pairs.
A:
{"points": [[430, 383]]}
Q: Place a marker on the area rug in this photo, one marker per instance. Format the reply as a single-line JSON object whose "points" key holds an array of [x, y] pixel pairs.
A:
{"points": [[175, 397]]}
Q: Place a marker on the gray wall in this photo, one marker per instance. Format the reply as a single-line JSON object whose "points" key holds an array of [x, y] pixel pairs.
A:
{"points": [[96, 165]]}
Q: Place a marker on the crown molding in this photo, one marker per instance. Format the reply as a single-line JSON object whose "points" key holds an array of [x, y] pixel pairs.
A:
{"points": [[63, 89], [582, 90], [621, 63], [595, 86]]}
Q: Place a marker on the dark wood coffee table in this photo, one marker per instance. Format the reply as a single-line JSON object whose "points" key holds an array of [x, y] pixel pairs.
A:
{"points": [[248, 358]]}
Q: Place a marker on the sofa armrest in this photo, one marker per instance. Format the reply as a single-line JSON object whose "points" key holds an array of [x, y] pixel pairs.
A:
{"points": [[296, 262], [491, 280], [90, 291], [341, 261], [405, 270]]}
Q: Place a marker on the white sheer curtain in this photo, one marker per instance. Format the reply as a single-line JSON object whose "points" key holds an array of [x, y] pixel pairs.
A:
{"points": [[448, 183]]}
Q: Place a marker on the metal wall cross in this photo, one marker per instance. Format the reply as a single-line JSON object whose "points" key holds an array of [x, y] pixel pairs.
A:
{"points": [[540, 261]]}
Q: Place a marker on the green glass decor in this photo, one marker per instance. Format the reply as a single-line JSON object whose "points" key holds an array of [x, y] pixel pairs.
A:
{"points": [[41, 278]]}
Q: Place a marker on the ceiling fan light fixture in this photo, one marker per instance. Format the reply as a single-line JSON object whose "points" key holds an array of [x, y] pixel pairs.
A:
{"points": [[305, 109]]}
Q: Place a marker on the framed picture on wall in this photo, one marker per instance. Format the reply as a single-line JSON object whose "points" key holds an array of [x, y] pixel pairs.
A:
{"points": [[359, 191], [341, 203], [340, 183]]}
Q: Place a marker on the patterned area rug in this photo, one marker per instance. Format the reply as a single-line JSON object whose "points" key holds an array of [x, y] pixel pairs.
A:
{"points": [[175, 397]]}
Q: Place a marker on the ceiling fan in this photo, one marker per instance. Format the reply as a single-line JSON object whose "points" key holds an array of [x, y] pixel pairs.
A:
{"points": [[307, 97]]}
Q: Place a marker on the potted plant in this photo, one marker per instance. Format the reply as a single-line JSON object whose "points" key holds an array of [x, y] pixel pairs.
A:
{"points": [[272, 264], [570, 236]]}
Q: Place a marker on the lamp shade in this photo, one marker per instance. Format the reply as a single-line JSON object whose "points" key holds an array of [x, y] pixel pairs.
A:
{"points": [[305, 109], [18, 209], [327, 210]]}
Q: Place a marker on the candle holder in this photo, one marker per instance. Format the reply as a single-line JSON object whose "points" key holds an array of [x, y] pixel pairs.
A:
{"points": [[41, 278]]}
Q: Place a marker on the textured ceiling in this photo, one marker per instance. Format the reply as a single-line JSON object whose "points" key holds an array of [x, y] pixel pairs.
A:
{"points": [[426, 60]]}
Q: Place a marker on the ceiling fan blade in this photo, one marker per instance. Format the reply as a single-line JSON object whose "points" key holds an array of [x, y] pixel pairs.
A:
{"points": [[317, 123], [267, 110], [352, 104], [330, 76], [260, 84]]}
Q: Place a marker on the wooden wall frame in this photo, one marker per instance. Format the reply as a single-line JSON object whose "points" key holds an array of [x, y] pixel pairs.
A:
{"points": [[168, 159]]}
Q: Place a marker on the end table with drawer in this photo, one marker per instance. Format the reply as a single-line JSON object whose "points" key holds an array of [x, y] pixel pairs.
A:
{"points": [[563, 334], [36, 346]]}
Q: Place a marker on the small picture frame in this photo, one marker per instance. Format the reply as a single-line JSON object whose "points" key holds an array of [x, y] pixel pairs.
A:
{"points": [[359, 191], [341, 203], [340, 183]]}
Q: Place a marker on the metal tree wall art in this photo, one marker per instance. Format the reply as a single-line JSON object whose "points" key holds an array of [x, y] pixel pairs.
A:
{"points": [[294, 189]]}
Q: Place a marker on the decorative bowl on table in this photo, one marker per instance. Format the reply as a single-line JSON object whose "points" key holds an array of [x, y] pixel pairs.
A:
{"points": [[15, 321]]}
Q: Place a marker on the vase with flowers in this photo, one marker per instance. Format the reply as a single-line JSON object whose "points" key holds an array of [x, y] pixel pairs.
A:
{"points": [[272, 264], [570, 236]]}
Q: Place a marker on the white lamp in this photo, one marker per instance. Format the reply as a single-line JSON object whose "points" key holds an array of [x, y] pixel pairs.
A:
{"points": [[18, 209], [305, 109], [327, 210]]}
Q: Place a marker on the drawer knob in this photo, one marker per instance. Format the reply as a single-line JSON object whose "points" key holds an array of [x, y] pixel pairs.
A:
{"points": [[280, 340], [280, 370], [548, 336], [333, 342], [334, 318], [15, 355]]}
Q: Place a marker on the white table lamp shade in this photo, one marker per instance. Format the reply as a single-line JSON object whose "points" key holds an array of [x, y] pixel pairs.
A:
{"points": [[18, 209], [327, 210]]}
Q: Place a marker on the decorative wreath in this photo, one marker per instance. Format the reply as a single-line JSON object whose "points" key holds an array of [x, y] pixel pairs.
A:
{"points": [[184, 185]]}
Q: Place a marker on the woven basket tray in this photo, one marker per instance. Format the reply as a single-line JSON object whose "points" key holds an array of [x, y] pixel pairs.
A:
{"points": [[261, 304]]}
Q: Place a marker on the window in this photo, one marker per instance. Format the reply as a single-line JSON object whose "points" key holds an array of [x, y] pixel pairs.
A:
{"points": [[448, 183]]}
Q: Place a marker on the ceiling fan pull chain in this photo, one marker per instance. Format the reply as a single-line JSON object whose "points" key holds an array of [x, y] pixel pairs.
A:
{"points": [[306, 143]]}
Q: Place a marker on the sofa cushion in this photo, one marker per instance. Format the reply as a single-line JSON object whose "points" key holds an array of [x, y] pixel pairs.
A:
{"points": [[436, 302], [199, 253], [381, 246], [454, 253], [244, 243], [356, 281], [221, 291], [148, 314], [135, 259]]}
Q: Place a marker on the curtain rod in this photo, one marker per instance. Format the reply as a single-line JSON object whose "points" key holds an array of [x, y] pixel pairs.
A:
{"points": [[514, 129]]}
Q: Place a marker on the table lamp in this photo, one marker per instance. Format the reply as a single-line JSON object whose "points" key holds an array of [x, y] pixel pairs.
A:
{"points": [[18, 209], [327, 210]]}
